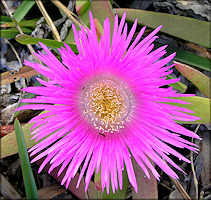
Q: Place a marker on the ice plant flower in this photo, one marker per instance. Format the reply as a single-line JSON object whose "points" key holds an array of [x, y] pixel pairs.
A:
{"points": [[106, 104]]}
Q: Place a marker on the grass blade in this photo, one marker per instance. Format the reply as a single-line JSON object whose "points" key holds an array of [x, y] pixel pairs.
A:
{"points": [[187, 58], [23, 9], [29, 182]]}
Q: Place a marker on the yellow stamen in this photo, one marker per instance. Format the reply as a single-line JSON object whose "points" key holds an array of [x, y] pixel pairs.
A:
{"points": [[107, 105]]}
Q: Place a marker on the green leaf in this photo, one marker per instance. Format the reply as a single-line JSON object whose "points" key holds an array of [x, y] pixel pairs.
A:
{"points": [[102, 10], [187, 58], [23, 23], [200, 106], [23, 9], [119, 194], [82, 6], [178, 86], [201, 81], [29, 182], [4, 19], [185, 28], [13, 32], [26, 39]]}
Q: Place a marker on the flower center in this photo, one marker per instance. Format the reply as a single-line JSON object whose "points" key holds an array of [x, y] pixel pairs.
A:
{"points": [[107, 105]]}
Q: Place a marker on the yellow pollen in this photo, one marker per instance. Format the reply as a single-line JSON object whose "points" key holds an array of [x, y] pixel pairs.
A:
{"points": [[107, 105]]}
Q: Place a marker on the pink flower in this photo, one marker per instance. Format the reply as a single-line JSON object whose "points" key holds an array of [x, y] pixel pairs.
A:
{"points": [[107, 104]]}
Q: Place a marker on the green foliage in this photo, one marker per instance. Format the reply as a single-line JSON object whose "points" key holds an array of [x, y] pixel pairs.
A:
{"points": [[119, 194], [178, 86], [26, 39], [23, 9], [201, 81], [187, 58], [199, 105], [4, 19], [185, 28], [23, 23], [82, 6], [29, 182], [13, 32]]}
